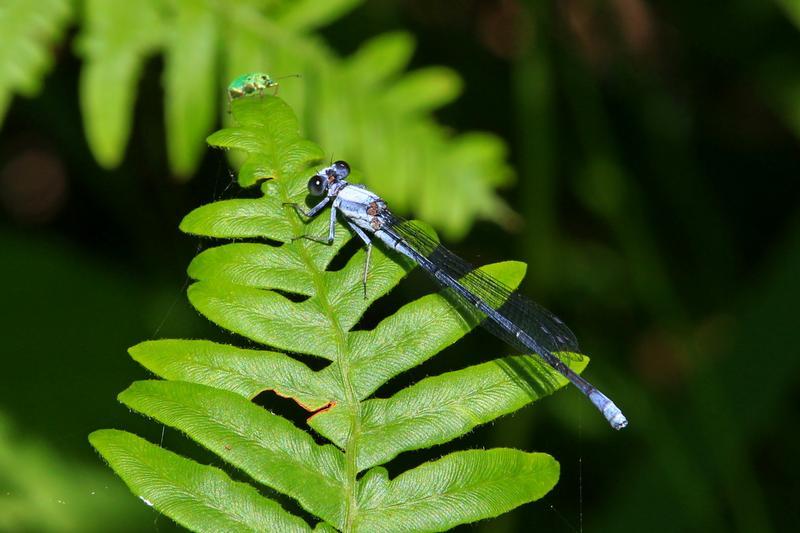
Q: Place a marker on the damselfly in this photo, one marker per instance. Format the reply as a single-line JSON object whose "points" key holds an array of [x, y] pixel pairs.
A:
{"points": [[507, 314]]}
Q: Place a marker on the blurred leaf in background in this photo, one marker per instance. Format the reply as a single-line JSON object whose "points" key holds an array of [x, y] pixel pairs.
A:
{"points": [[348, 104], [28, 30], [41, 492]]}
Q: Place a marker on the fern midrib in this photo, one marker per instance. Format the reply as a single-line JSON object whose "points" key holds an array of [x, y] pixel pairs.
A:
{"points": [[351, 400], [343, 363]]}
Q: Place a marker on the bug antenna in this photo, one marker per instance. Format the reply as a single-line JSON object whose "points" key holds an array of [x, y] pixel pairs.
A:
{"points": [[289, 76]]}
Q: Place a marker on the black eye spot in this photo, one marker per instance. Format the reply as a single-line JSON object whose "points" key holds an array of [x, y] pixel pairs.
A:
{"points": [[317, 185]]}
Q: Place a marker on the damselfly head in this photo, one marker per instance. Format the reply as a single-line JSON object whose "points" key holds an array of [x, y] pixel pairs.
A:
{"points": [[317, 185]]}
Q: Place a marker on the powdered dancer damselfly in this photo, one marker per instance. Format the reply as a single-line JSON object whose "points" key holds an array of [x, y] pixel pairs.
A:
{"points": [[507, 314]]}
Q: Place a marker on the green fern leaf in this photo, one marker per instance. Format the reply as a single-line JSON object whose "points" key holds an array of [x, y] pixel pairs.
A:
{"points": [[116, 40], [242, 287], [245, 372], [202, 498], [423, 90], [265, 446], [190, 83], [381, 58], [439, 409], [28, 29], [459, 488], [306, 15]]}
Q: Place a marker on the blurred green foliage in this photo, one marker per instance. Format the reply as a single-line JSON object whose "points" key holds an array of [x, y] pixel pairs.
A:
{"points": [[28, 29], [206, 43], [656, 149], [42, 492]]}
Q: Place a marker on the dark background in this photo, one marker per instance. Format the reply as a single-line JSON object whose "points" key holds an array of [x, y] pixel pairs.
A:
{"points": [[656, 150]]}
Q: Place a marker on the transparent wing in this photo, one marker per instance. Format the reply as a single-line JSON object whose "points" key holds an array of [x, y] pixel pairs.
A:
{"points": [[540, 324]]}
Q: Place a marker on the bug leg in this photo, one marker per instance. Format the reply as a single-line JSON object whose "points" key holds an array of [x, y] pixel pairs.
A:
{"points": [[320, 240], [366, 268], [314, 210], [331, 227], [358, 231]]}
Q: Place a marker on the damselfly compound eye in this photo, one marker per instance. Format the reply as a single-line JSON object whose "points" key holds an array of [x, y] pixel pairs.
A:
{"points": [[317, 185], [342, 169]]}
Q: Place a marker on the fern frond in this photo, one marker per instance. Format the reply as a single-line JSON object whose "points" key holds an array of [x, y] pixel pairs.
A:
{"points": [[208, 386]]}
